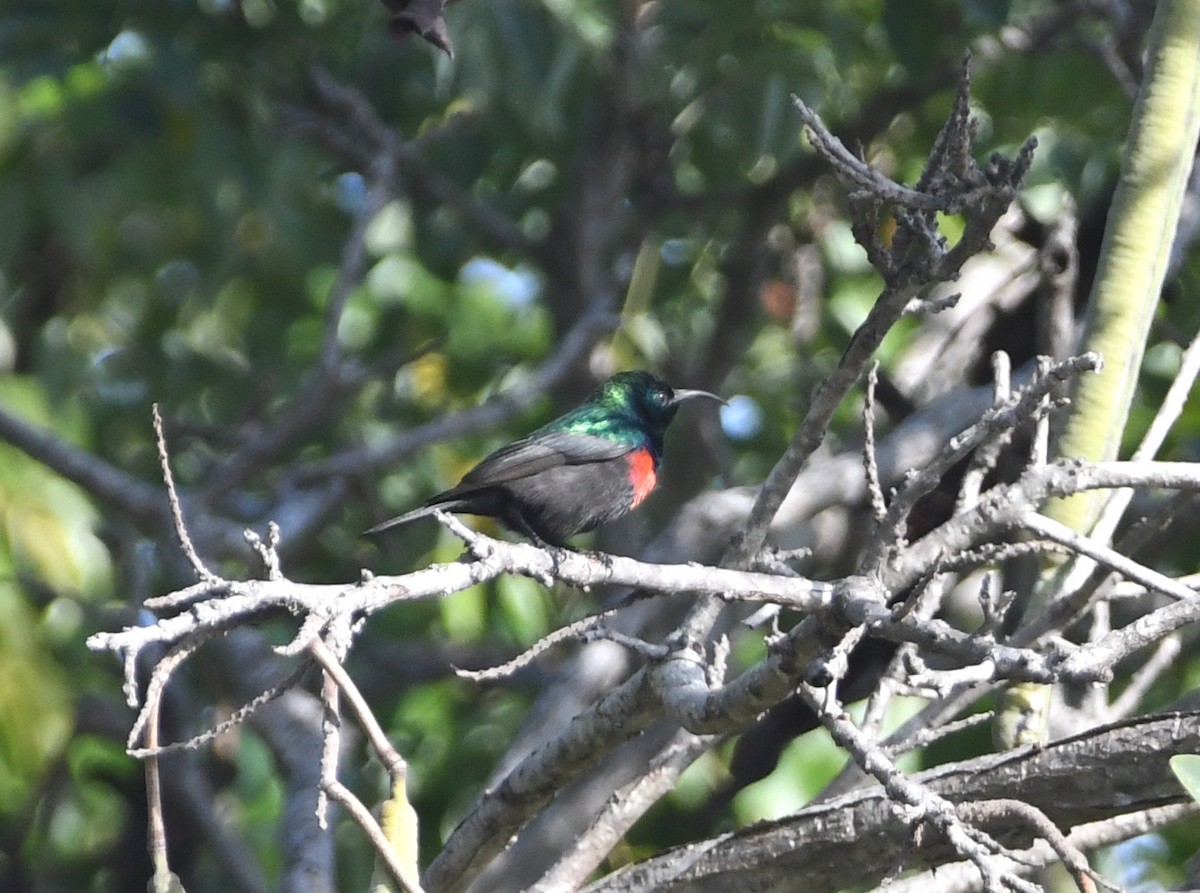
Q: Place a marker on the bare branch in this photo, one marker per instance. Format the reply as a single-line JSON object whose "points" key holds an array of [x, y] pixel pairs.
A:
{"points": [[623, 808], [823, 843], [916, 259], [234, 720], [1127, 567], [928, 736], [394, 763], [572, 631], [1160, 662], [162, 880], [344, 797], [961, 877], [920, 804], [267, 551], [1005, 507], [498, 812], [1026, 404], [1115, 506], [1007, 809], [870, 462]]}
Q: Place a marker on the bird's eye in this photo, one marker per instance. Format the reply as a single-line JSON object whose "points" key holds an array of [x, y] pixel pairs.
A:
{"points": [[662, 398]]}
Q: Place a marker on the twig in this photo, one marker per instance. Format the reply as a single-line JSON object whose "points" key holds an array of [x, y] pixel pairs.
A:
{"points": [[925, 737], [234, 720], [923, 305], [825, 841], [331, 725], [267, 551], [338, 792], [984, 197], [181, 598], [181, 651], [996, 553], [575, 630], [1007, 506], [1008, 809], [622, 809], [1100, 657], [391, 758], [158, 829], [870, 462], [185, 540], [1039, 449], [811, 432], [923, 604], [1162, 660], [1050, 529], [339, 681], [988, 453], [960, 877], [918, 803], [1117, 503], [621, 714], [1029, 402], [648, 650], [344, 797]]}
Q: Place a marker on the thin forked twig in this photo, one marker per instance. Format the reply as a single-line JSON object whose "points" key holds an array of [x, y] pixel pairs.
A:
{"points": [[185, 540], [336, 682], [572, 631], [1009, 809], [234, 720]]}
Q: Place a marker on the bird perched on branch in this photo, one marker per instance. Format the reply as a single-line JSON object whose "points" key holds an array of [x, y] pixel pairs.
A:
{"points": [[585, 468]]}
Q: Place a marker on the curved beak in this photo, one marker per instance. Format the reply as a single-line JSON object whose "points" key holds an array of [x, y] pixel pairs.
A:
{"points": [[682, 394]]}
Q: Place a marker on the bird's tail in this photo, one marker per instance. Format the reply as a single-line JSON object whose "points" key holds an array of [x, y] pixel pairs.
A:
{"points": [[422, 512]]}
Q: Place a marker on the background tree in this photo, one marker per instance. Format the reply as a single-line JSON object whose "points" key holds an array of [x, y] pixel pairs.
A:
{"points": [[346, 266]]}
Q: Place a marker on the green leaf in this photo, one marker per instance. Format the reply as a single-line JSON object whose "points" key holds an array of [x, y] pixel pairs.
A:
{"points": [[1186, 767]]}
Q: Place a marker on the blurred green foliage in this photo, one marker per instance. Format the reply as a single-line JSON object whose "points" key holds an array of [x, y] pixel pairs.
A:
{"points": [[171, 234]]}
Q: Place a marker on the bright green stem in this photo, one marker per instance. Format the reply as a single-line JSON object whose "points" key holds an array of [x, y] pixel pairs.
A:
{"points": [[1137, 244], [1133, 262]]}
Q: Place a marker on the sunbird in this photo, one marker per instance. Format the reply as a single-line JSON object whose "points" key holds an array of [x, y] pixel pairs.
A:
{"points": [[586, 468]]}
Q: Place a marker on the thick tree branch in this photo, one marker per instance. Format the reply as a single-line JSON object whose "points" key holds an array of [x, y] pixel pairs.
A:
{"points": [[1113, 771]]}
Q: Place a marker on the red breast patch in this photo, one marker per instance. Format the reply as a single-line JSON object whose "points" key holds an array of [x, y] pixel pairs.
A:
{"points": [[642, 474]]}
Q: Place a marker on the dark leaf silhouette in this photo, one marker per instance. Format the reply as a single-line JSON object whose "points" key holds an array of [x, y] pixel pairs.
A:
{"points": [[423, 17]]}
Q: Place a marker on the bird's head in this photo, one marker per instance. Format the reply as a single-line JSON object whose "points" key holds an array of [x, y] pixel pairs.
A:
{"points": [[650, 398]]}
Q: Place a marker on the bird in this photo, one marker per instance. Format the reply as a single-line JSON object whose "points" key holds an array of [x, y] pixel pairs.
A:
{"points": [[589, 466]]}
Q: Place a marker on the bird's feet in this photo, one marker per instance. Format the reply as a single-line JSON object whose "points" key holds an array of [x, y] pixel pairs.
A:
{"points": [[602, 558]]}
